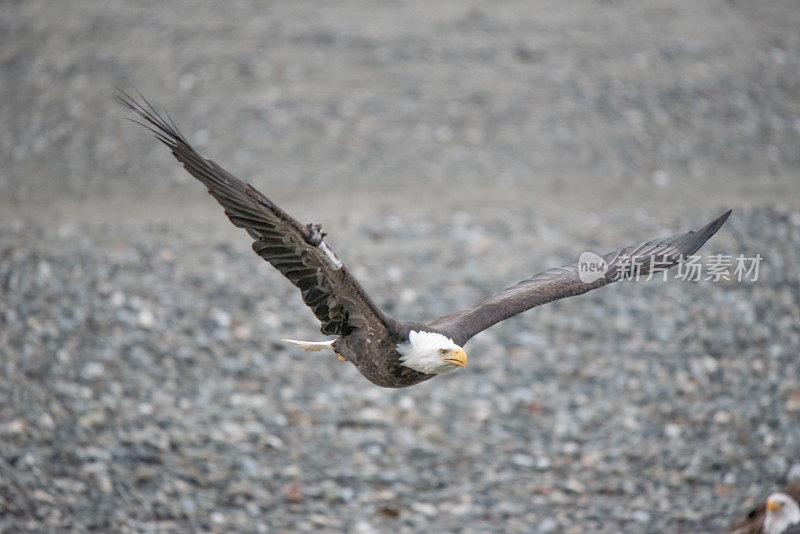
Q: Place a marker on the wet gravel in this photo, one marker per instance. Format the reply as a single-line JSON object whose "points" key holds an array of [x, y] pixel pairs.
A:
{"points": [[450, 149], [145, 388]]}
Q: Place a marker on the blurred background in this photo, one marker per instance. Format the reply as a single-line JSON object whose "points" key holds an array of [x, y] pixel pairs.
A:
{"points": [[450, 149]]}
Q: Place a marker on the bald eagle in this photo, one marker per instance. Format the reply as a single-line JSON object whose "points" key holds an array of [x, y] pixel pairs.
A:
{"points": [[780, 514], [388, 352]]}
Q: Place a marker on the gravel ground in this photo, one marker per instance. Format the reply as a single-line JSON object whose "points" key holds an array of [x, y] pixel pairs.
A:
{"points": [[615, 95], [145, 388], [142, 384]]}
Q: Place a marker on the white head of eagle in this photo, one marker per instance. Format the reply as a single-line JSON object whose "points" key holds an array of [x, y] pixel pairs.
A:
{"points": [[431, 353], [782, 513]]}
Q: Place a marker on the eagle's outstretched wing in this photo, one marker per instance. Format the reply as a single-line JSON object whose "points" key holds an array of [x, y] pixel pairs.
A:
{"points": [[565, 281], [296, 250]]}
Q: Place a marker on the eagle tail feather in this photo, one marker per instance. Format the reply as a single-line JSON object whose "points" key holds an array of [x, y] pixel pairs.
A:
{"points": [[311, 346]]}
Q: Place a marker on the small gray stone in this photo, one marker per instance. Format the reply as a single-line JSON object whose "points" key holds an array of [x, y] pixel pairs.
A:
{"points": [[93, 370]]}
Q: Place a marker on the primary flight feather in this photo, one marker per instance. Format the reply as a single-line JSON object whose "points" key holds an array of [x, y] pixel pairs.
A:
{"points": [[388, 352]]}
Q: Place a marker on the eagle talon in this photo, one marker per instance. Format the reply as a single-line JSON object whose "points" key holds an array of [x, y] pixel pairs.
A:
{"points": [[315, 233], [341, 358]]}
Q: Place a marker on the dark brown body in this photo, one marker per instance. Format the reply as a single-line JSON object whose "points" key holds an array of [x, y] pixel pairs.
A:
{"points": [[374, 353]]}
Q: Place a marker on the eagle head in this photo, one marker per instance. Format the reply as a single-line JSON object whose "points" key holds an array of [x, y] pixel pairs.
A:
{"points": [[782, 512], [431, 353]]}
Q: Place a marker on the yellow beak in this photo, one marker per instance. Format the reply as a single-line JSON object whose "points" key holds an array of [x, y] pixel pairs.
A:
{"points": [[458, 357], [774, 506]]}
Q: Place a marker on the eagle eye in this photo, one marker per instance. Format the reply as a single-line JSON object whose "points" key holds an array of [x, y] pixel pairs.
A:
{"points": [[442, 351]]}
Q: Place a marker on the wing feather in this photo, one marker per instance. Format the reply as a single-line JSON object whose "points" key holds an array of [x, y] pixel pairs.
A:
{"points": [[560, 282], [296, 250]]}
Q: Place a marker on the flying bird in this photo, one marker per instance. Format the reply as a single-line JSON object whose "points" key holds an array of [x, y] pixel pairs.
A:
{"points": [[780, 514], [388, 352]]}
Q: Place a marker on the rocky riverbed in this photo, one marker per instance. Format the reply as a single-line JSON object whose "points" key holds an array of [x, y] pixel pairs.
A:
{"points": [[450, 149]]}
